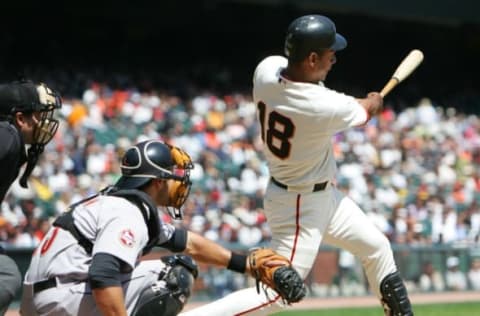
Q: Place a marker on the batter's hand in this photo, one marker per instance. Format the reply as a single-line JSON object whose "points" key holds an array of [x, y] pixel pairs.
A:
{"points": [[276, 272], [373, 103]]}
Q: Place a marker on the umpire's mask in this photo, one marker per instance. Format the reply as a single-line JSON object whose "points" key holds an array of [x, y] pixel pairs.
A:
{"points": [[153, 159]]}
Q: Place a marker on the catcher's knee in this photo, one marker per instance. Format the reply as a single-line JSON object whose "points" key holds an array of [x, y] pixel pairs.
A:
{"points": [[395, 296], [169, 294]]}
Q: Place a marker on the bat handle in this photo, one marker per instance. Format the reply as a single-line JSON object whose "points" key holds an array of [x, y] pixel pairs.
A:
{"points": [[389, 86]]}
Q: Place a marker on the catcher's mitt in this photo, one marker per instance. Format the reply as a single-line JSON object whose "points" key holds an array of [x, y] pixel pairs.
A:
{"points": [[276, 271]]}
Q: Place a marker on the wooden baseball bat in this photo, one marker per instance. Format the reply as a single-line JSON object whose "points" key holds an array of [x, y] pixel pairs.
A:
{"points": [[408, 64]]}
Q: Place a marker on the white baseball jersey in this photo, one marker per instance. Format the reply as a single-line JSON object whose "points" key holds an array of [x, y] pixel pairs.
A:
{"points": [[297, 120], [115, 226]]}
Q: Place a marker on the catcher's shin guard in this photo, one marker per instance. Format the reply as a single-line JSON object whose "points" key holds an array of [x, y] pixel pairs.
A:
{"points": [[170, 293], [395, 296]]}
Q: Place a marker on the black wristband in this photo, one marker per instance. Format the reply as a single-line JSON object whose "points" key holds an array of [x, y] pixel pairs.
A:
{"points": [[237, 263]]}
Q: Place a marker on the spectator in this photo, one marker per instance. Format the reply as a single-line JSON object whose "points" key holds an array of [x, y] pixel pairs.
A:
{"points": [[474, 274], [430, 279], [455, 279]]}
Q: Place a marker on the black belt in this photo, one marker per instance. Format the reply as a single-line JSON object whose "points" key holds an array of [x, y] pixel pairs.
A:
{"points": [[317, 187], [44, 285]]}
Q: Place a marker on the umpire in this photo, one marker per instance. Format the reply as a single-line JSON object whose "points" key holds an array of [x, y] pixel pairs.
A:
{"points": [[26, 117]]}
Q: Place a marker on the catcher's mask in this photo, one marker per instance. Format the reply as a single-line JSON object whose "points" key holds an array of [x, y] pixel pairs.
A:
{"points": [[154, 159], [28, 97]]}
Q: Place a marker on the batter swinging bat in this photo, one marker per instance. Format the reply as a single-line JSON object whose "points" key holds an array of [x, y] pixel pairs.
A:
{"points": [[408, 64]]}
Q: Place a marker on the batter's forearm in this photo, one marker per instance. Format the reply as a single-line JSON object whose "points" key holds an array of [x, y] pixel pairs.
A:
{"points": [[109, 301]]}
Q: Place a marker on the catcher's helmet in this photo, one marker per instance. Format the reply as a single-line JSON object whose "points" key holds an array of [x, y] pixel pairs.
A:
{"points": [[312, 33], [153, 159], [143, 162]]}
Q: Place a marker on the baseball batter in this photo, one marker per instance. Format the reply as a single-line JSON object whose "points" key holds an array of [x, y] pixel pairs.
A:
{"points": [[298, 116], [88, 263]]}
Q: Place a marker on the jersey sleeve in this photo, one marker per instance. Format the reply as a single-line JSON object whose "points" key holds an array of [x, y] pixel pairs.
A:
{"points": [[123, 234], [346, 112]]}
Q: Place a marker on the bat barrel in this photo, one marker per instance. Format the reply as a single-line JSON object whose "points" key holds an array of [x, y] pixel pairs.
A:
{"points": [[408, 64]]}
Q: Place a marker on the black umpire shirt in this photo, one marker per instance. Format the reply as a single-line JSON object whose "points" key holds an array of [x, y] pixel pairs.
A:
{"points": [[12, 156]]}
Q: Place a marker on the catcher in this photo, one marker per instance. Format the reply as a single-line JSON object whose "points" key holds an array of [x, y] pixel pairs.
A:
{"points": [[88, 263]]}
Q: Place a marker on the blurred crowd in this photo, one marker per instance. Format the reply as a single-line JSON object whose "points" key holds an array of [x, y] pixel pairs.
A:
{"points": [[415, 172]]}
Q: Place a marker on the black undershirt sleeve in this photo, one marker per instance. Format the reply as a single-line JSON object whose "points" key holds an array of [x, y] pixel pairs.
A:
{"points": [[104, 271]]}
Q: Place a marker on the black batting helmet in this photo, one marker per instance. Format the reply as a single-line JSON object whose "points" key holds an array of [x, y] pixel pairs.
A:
{"points": [[312, 33]]}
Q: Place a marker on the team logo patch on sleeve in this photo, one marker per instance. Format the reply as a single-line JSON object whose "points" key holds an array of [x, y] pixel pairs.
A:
{"points": [[127, 238]]}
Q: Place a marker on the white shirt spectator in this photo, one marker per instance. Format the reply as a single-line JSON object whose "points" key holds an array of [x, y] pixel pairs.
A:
{"points": [[249, 236], [474, 274], [201, 105], [191, 143], [390, 157], [446, 174], [96, 161], [354, 173], [431, 279], [366, 152], [475, 225], [426, 113], [59, 182], [249, 181], [454, 278], [406, 119], [25, 240], [387, 196], [142, 114], [449, 227]]}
